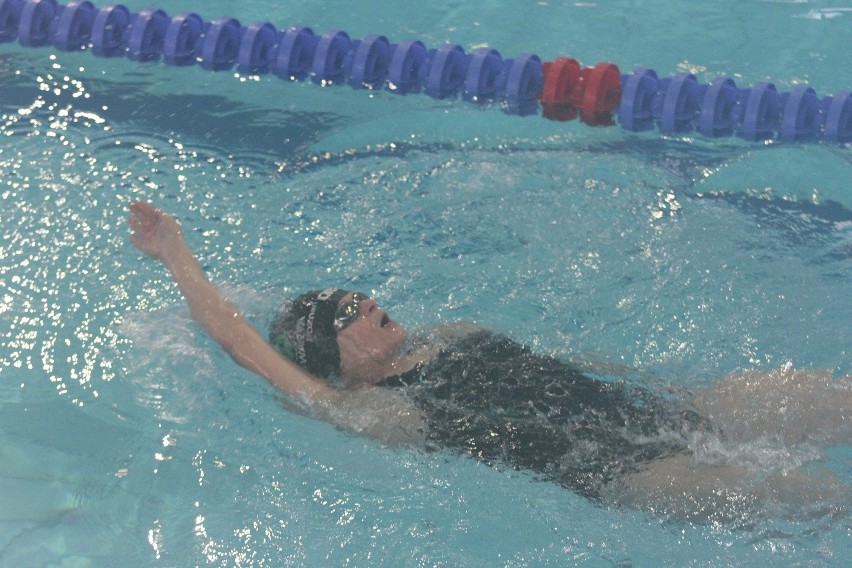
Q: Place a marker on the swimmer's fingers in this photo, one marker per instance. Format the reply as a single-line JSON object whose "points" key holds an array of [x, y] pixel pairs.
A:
{"points": [[137, 239], [141, 235], [143, 219], [136, 225], [146, 212], [154, 232]]}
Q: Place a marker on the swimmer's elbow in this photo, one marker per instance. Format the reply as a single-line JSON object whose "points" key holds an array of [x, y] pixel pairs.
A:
{"points": [[234, 338], [250, 350]]}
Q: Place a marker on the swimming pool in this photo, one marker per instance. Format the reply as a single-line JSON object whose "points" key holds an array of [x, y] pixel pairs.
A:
{"points": [[127, 438]]}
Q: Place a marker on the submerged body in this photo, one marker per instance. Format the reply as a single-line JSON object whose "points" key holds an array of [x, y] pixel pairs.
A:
{"points": [[496, 400]]}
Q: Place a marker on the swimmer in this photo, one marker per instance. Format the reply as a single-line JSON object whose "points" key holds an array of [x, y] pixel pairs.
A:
{"points": [[462, 388]]}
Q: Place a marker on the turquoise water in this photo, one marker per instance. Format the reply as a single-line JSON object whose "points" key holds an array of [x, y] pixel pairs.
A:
{"points": [[128, 439]]}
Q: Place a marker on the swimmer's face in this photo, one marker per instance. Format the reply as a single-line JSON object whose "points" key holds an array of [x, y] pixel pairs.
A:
{"points": [[369, 343]]}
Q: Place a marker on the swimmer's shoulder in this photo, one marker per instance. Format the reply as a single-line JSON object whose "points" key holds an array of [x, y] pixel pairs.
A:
{"points": [[430, 343], [456, 330], [386, 415]]}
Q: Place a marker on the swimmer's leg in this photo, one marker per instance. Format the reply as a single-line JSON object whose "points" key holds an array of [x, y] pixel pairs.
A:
{"points": [[796, 405], [681, 487]]}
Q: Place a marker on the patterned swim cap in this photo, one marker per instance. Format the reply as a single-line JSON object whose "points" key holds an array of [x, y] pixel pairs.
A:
{"points": [[304, 331]]}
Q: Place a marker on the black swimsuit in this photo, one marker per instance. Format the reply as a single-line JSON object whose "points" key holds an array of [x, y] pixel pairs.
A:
{"points": [[494, 399]]}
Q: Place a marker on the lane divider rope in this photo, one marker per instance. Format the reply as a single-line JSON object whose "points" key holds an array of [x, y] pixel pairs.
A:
{"points": [[560, 90]]}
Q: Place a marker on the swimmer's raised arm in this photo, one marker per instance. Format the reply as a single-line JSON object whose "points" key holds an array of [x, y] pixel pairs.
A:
{"points": [[158, 235]]}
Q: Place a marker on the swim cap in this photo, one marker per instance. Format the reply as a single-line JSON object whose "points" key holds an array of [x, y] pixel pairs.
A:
{"points": [[304, 331]]}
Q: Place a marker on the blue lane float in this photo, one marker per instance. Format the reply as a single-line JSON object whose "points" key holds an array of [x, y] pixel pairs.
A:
{"points": [[524, 85], [680, 105]]}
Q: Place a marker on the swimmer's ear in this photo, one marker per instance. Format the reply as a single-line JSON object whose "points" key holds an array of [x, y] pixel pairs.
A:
{"points": [[283, 346]]}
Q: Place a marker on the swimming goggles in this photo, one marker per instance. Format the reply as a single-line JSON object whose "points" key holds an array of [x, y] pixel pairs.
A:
{"points": [[347, 312]]}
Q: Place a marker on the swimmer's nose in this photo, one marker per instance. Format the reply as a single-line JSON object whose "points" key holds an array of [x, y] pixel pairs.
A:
{"points": [[368, 305]]}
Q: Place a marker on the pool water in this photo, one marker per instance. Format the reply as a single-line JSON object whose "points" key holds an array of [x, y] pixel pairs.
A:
{"points": [[127, 438]]}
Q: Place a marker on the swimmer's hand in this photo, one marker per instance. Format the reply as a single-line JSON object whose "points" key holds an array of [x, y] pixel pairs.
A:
{"points": [[155, 232]]}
